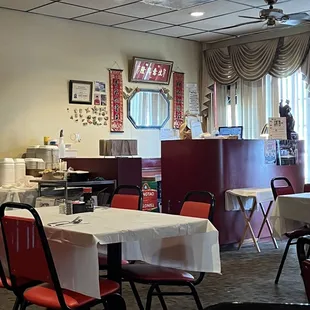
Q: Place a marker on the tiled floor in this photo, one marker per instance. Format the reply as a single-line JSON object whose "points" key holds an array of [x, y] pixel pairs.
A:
{"points": [[247, 276]]}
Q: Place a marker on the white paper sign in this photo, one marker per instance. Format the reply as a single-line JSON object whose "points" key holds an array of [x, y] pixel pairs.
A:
{"points": [[277, 128], [196, 130], [193, 99], [169, 134]]}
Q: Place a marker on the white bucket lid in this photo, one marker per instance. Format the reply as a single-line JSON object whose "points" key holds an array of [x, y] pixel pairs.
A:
{"points": [[33, 160], [19, 160], [48, 147], [7, 160]]}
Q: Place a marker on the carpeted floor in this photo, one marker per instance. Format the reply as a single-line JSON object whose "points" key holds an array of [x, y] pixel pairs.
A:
{"points": [[247, 276]]}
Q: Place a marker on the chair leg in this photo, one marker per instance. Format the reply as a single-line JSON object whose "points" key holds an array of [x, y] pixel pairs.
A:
{"points": [[283, 260], [114, 301], [136, 294], [24, 305], [196, 296], [161, 298], [149, 297], [17, 303]]}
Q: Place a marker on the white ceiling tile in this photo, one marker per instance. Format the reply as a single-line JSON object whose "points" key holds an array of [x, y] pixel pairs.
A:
{"points": [[176, 4], [211, 9], [175, 31], [142, 25], [23, 5], [99, 4], [139, 9], [294, 6], [207, 37], [62, 10], [258, 2], [224, 21], [105, 18]]}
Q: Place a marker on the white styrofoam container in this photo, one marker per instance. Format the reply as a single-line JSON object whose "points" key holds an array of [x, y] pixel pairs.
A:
{"points": [[20, 169], [7, 171]]}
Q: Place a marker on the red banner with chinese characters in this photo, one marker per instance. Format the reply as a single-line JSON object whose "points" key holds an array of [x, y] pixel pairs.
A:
{"points": [[178, 99], [116, 101], [151, 71]]}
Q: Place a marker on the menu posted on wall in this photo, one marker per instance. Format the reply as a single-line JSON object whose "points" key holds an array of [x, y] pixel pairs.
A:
{"points": [[277, 128], [193, 99]]}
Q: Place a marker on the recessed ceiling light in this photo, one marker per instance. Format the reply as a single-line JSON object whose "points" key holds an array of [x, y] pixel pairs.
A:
{"points": [[197, 14]]}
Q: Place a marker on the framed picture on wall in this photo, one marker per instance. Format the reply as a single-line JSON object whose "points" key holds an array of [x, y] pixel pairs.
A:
{"points": [[151, 71], [80, 92]]}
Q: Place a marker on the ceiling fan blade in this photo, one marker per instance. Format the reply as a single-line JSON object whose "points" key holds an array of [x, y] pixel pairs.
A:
{"points": [[298, 16], [250, 17], [292, 22], [238, 25]]}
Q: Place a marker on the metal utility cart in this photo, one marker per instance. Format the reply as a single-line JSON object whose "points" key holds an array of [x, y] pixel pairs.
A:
{"points": [[66, 185]]}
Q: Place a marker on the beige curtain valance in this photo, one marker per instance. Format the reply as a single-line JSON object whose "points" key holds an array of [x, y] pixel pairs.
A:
{"points": [[279, 57]]}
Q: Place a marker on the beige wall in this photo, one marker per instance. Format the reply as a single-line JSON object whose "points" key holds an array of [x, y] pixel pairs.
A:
{"points": [[39, 55]]}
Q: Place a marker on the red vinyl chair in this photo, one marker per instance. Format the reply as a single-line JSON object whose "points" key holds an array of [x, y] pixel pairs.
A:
{"points": [[25, 241], [304, 263], [127, 197], [5, 283], [157, 276], [286, 188]]}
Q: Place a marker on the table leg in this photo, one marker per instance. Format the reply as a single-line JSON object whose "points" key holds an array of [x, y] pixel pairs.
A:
{"points": [[115, 263], [266, 221], [248, 224]]}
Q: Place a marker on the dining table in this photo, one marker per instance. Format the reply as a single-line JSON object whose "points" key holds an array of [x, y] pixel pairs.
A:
{"points": [[181, 242], [290, 212]]}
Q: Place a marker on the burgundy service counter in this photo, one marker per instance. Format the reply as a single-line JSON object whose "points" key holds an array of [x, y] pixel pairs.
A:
{"points": [[218, 165]]}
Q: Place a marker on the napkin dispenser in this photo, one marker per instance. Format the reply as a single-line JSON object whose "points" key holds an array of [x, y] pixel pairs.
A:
{"points": [[118, 147]]}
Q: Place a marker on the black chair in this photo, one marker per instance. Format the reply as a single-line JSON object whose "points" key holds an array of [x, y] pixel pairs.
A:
{"points": [[257, 306], [25, 241], [157, 276], [287, 189], [127, 197], [303, 252]]}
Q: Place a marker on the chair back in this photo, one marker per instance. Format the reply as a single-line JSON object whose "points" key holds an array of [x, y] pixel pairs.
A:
{"points": [[304, 263], [127, 197], [27, 250], [286, 187], [257, 306], [204, 208]]}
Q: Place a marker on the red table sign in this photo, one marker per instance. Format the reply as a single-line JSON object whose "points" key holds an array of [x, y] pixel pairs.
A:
{"points": [[151, 71]]}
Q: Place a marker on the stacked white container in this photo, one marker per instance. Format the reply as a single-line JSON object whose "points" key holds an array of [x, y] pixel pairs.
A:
{"points": [[35, 163], [7, 171], [31, 151], [49, 153], [20, 170]]}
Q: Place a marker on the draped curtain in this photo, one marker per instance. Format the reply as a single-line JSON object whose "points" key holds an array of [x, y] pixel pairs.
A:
{"points": [[279, 57]]}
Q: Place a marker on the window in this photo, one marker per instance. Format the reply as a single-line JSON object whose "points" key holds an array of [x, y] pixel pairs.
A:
{"points": [[257, 101], [293, 88]]}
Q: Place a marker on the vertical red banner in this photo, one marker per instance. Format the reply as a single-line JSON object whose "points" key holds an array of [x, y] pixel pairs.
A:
{"points": [[178, 99], [116, 101]]}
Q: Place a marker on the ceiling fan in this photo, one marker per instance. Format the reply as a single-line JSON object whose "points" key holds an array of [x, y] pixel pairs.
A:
{"points": [[272, 16]]}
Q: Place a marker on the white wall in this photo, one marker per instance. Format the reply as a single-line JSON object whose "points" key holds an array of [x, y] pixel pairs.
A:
{"points": [[39, 55]]}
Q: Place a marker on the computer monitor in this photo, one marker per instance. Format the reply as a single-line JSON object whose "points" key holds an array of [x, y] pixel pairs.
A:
{"points": [[231, 131]]}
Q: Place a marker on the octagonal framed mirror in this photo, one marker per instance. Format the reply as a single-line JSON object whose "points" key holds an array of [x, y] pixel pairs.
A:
{"points": [[148, 109]]}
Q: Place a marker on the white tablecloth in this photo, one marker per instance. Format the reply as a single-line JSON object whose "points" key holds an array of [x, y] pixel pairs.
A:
{"points": [[27, 196], [247, 195], [162, 239], [290, 212]]}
